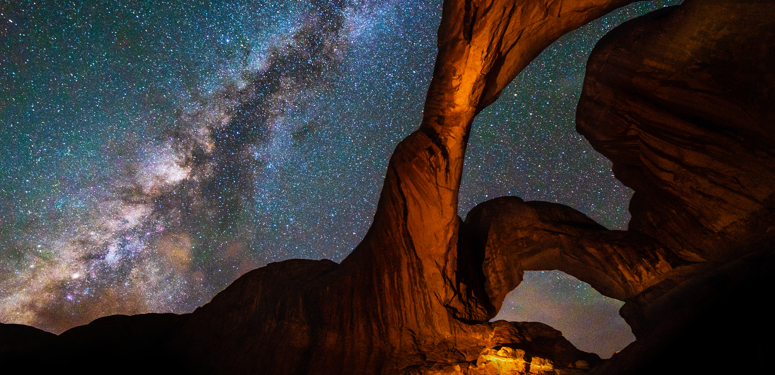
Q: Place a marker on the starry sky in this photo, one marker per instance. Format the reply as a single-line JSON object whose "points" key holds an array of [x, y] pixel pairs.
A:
{"points": [[151, 152]]}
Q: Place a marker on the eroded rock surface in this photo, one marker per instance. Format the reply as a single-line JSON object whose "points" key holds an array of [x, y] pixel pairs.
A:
{"points": [[518, 348], [682, 102], [518, 236], [403, 297]]}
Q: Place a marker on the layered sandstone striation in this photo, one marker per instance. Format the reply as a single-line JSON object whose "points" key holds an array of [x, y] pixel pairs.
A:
{"points": [[681, 101]]}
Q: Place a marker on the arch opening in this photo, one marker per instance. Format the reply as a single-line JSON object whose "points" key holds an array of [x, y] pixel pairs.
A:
{"points": [[589, 320]]}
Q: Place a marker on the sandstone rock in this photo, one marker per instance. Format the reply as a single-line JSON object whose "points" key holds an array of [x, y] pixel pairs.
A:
{"points": [[403, 297], [519, 348], [518, 236], [416, 294], [682, 102]]}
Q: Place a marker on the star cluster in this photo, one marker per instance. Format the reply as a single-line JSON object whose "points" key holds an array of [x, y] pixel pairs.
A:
{"points": [[152, 152]]}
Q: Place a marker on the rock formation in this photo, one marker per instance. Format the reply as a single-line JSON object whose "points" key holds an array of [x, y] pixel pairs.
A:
{"points": [[683, 103], [402, 297], [680, 100], [517, 236]]}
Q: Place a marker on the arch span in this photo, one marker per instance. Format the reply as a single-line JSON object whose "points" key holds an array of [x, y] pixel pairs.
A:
{"points": [[511, 236]]}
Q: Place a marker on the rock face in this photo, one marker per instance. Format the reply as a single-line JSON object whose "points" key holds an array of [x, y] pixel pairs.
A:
{"points": [[683, 103], [680, 100], [517, 236], [405, 296]]}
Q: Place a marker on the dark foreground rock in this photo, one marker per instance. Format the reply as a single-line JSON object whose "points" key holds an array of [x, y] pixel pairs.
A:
{"points": [[715, 323], [17, 339], [116, 344]]}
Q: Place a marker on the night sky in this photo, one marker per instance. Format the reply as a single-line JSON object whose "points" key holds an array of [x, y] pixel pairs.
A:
{"points": [[152, 152]]}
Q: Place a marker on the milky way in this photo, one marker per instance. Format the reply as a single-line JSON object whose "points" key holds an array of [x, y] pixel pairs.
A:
{"points": [[152, 152]]}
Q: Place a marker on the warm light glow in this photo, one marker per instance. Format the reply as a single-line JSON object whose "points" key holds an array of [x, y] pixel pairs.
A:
{"points": [[508, 360]]}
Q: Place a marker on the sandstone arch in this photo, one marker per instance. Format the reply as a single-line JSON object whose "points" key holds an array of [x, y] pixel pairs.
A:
{"points": [[416, 294]]}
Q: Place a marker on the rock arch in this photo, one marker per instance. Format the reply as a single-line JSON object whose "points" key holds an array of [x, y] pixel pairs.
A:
{"points": [[516, 236], [416, 295]]}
